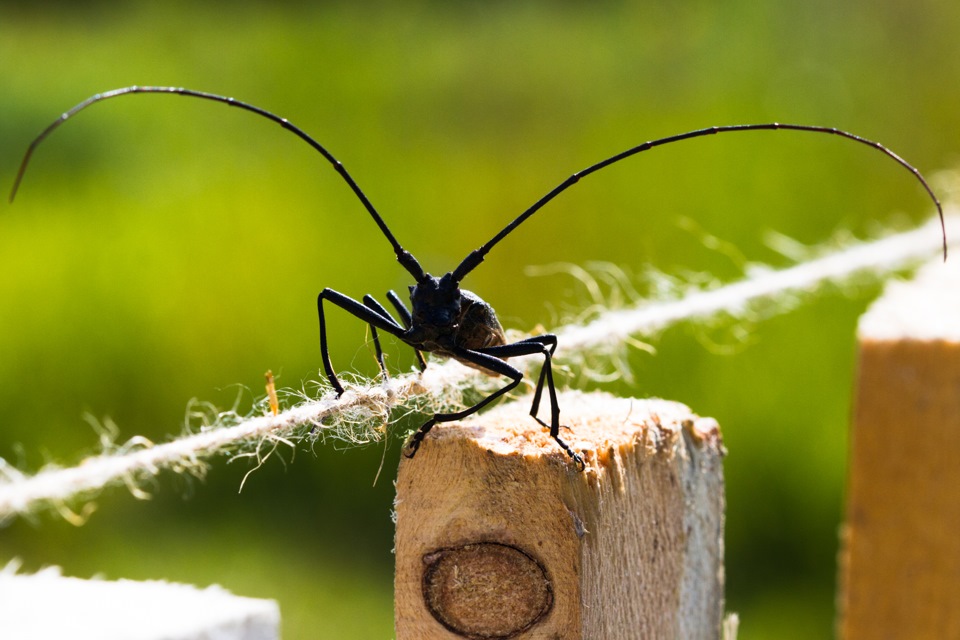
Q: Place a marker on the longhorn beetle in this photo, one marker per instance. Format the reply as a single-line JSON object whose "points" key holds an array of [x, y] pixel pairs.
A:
{"points": [[445, 319]]}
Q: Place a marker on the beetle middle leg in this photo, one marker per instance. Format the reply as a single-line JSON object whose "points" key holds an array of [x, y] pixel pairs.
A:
{"points": [[371, 303], [407, 320], [490, 359], [405, 317], [546, 375], [545, 344]]}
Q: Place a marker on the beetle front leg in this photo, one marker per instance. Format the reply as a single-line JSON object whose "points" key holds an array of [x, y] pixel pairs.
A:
{"points": [[358, 310]]}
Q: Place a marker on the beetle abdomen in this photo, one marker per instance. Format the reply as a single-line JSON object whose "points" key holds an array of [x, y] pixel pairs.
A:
{"points": [[478, 327]]}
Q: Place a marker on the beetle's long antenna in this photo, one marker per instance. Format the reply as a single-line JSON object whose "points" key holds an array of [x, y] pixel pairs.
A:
{"points": [[477, 256], [403, 256]]}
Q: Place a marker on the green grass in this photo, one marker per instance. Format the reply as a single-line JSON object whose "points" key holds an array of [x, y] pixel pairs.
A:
{"points": [[162, 249]]}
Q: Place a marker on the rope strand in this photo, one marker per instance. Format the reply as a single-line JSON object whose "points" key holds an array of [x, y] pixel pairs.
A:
{"points": [[140, 459]]}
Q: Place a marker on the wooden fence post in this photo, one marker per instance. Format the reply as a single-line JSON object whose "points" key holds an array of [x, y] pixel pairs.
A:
{"points": [[499, 535], [900, 570]]}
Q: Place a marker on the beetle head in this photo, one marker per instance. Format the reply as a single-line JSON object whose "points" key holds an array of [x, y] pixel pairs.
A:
{"points": [[436, 302]]}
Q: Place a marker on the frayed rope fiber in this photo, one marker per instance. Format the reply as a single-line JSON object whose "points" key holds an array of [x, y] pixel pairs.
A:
{"points": [[443, 383]]}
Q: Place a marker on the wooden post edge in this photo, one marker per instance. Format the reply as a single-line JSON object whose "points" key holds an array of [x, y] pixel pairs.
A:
{"points": [[900, 561]]}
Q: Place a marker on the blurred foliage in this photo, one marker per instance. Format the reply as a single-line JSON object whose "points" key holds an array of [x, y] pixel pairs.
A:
{"points": [[162, 249]]}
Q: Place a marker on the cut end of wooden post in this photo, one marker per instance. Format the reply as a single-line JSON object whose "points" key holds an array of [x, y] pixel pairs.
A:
{"points": [[487, 589], [500, 535], [900, 566], [925, 308]]}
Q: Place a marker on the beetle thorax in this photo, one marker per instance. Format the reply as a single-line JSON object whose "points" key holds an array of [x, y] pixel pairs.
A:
{"points": [[446, 317]]}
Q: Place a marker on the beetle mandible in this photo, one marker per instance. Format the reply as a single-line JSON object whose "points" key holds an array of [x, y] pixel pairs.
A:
{"points": [[446, 320]]}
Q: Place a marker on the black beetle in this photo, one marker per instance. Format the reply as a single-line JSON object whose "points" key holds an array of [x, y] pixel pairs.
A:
{"points": [[446, 320]]}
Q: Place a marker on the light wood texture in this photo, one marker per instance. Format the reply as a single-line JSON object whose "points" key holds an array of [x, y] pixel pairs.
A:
{"points": [[500, 535], [900, 574]]}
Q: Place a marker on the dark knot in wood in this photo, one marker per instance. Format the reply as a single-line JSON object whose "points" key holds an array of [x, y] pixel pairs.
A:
{"points": [[486, 590]]}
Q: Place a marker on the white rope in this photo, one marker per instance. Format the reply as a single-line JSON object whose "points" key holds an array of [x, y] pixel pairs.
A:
{"points": [[879, 258], [442, 384]]}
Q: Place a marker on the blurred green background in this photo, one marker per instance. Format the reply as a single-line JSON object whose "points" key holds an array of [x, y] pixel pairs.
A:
{"points": [[162, 249]]}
